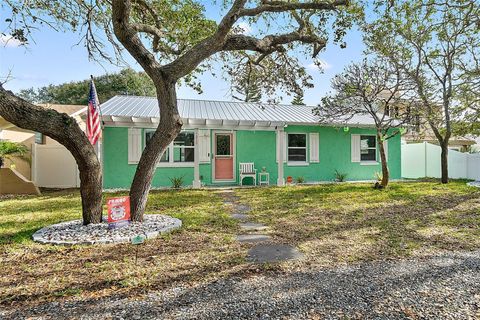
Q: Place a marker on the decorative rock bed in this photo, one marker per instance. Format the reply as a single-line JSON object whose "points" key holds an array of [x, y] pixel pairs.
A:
{"points": [[74, 232], [474, 184]]}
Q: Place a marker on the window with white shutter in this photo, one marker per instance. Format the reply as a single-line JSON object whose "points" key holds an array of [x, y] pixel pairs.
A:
{"points": [[134, 145], [204, 146], [355, 148], [314, 147]]}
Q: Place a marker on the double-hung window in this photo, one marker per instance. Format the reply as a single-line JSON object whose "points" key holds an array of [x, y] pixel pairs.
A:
{"points": [[297, 147], [184, 147], [368, 148], [181, 150]]}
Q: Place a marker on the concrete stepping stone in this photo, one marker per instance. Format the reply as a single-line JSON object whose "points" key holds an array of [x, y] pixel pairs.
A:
{"points": [[252, 238], [262, 253], [241, 208], [239, 216], [251, 226]]}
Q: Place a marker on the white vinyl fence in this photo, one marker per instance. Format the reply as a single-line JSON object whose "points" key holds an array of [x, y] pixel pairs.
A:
{"points": [[420, 160], [53, 166]]}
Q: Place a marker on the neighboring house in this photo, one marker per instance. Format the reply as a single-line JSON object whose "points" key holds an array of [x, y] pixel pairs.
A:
{"points": [[218, 136], [419, 131], [55, 162]]}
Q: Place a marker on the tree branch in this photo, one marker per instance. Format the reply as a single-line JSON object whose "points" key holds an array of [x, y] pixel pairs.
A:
{"points": [[270, 43], [281, 6], [126, 33], [186, 63]]}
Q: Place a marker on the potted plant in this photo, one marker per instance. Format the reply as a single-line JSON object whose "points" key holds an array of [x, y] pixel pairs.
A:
{"points": [[9, 150]]}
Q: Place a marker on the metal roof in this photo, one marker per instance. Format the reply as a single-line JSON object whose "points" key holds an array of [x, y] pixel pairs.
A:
{"points": [[140, 109]]}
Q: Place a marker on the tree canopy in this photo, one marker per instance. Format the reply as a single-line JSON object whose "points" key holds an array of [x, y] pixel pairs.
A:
{"points": [[437, 44], [375, 88], [174, 41], [171, 29], [126, 82]]}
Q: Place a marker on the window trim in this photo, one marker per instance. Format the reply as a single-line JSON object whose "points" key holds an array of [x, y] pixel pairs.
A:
{"points": [[171, 163], [297, 163], [369, 162]]}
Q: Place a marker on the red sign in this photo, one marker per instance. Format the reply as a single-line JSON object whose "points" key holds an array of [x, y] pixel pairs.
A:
{"points": [[118, 212]]}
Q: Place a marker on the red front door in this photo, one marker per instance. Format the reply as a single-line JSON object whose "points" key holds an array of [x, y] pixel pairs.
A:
{"points": [[223, 156]]}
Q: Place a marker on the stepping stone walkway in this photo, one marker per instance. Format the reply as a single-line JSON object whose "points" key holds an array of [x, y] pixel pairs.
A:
{"points": [[264, 250], [252, 238], [252, 226], [262, 253]]}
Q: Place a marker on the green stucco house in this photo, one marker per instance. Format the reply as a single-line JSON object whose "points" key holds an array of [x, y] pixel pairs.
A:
{"points": [[284, 140]]}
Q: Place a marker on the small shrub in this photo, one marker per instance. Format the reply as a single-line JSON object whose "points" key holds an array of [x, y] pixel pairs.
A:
{"points": [[177, 182], [378, 176], [339, 176], [300, 179], [9, 150]]}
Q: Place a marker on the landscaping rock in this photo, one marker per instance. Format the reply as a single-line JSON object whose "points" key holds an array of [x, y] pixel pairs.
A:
{"points": [[74, 232]]}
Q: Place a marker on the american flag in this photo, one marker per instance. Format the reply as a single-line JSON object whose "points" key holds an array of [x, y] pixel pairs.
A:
{"points": [[93, 115]]}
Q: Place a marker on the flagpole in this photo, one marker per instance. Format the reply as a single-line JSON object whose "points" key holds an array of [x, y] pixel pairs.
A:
{"points": [[97, 144]]}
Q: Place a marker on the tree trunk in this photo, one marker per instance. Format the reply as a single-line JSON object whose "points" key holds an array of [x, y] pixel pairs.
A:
{"points": [[383, 159], [444, 161], [168, 128], [65, 130]]}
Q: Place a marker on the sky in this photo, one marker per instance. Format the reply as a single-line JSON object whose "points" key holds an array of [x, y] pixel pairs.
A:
{"points": [[54, 58]]}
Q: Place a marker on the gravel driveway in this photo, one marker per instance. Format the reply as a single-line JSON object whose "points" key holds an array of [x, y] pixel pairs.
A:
{"points": [[445, 286]]}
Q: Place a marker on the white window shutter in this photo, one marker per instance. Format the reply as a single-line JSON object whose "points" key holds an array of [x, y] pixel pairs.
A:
{"points": [[134, 145], [314, 147], [281, 136], [385, 147], [355, 148], [204, 146]]}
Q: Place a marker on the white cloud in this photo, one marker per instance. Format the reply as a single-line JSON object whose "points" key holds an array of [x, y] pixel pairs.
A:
{"points": [[246, 28], [9, 41], [324, 65]]}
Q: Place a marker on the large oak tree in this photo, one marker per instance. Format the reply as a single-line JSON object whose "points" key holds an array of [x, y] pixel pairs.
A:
{"points": [[173, 42]]}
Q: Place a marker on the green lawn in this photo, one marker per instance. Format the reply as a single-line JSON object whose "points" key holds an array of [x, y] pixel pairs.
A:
{"points": [[351, 222], [204, 248], [331, 224]]}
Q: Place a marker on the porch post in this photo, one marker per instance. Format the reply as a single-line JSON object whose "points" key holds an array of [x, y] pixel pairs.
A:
{"points": [[196, 162], [281, 153]]}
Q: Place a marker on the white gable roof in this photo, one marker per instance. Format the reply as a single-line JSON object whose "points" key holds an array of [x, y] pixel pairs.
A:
{"points": [[145, 109]]}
